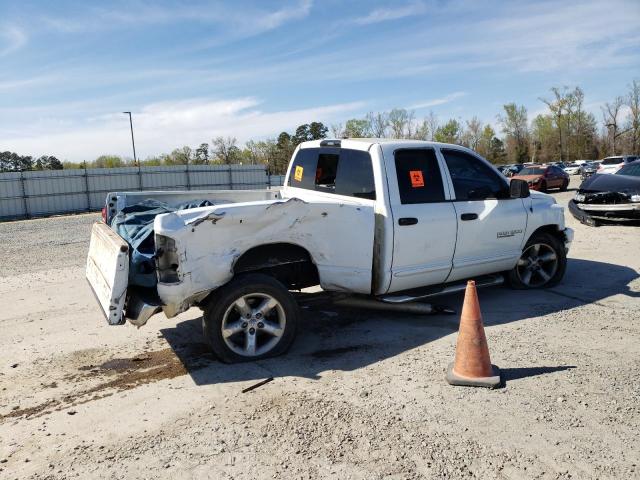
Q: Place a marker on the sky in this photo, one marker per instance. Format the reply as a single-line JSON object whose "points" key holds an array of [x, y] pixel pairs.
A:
{"points": [[193, 70]]}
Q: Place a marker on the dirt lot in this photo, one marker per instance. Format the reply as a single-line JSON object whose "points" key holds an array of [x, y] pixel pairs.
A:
{"points": [[361, 395]]}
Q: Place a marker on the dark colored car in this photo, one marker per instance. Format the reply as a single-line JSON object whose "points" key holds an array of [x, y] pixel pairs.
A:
{"points": [[544, 177], [609, 197], [510, 170], [588, 169]]}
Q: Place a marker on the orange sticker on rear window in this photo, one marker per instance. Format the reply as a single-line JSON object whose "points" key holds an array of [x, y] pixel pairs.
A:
{"points": [[297, 176], [416, 178]]}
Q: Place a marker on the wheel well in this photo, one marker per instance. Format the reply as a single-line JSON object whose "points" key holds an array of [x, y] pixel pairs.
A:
{"points": [[290, 264], [551, 230]]}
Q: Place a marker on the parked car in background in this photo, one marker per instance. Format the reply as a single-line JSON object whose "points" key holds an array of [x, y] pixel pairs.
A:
{"points": [[587, 169], [609, 197], [511, 170], [613, 164], [544, 177], [572, 169]]}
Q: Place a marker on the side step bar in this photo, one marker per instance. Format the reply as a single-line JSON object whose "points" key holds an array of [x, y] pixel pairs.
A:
{"points": [[444, 289]]}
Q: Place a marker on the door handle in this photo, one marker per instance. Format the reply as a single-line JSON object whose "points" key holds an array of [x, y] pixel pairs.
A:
{"points": [[469, 216], [407, 221]]}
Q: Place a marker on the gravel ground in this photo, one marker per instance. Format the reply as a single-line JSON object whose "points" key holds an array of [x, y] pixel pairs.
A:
{"points": [[361, 394]]}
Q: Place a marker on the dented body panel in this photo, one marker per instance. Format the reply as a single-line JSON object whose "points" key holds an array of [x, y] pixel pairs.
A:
{"points": [[209, 240]]}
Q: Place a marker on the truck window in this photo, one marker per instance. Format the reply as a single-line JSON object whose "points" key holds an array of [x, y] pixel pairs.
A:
{"points": [[472, 179], [303, 169], [419, 178], [355, 175], [340, 171], [326, 171]]}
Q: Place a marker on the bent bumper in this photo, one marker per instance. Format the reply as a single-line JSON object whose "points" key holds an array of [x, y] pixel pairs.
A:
{"points": [[589, 213]]}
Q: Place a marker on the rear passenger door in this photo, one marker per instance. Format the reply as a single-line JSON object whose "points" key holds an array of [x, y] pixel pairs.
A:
{"points": [[491, 224], [424, 220], [338, 224]]}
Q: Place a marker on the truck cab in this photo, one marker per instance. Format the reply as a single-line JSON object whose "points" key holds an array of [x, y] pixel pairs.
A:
{"points": [[394, 220]]}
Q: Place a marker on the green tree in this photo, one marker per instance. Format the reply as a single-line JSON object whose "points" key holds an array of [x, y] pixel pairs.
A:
{"points": [[12, 162], [401, 123], [317, 130], [285, 147], [357, 128], [490, 146], [201, 156], [48, 162], [449, 132], [515, 127], [225, 150], [108, 161]]}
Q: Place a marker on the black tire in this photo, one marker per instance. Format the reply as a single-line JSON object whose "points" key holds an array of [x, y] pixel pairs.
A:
{"points": [[564, 186], [517, 277], [543, 187], [222, 308]]}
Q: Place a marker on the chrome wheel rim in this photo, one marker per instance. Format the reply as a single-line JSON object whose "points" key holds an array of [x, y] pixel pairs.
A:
{"points": [[537, 265], [253, 324]]}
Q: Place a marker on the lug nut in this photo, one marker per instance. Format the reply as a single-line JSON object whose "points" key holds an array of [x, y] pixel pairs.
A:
{"points": [[252, 330], [244, 324], [258, 315], [260, 325], [248, 315]]}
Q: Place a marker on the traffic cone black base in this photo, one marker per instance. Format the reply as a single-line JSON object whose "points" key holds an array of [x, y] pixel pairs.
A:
{"points": [[487, 382]]}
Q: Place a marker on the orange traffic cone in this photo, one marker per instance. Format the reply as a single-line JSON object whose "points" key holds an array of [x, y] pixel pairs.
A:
{"points": [[472, 366]]}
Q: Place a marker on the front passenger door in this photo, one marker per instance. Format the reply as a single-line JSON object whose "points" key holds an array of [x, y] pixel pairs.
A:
{"points": [[491, 224]]}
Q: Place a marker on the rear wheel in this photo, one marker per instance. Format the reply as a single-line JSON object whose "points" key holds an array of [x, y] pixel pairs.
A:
{"points": [[541, 265], [252, 317], [543, 186]]}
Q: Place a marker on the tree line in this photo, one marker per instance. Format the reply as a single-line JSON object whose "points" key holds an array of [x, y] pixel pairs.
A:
{"points": [[12, 162], [565, 132]]}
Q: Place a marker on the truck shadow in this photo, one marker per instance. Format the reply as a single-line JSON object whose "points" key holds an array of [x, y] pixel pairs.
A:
{"points": [[337, 338]]}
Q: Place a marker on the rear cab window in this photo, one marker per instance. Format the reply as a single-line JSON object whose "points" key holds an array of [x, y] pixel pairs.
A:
{"points": [[340, 171]]}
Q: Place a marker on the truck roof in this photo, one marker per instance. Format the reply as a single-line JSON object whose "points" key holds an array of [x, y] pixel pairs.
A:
{"points": [[344, 142]]}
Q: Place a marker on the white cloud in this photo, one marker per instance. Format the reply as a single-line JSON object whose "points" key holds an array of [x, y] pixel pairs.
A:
{"points": [[12, 38], [161, 127], [391, 13], [438, 101], [234, 18]]}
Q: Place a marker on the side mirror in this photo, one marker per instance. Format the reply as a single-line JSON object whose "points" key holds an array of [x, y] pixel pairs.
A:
{"points": [[518, 188]]}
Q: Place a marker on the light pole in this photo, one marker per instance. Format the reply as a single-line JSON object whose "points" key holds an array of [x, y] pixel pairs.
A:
{"points": [[133, 143]]}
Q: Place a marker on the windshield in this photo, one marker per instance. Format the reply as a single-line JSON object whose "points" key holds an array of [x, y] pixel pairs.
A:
{"points": [[531, 171], [632, 170], [612, 161]]}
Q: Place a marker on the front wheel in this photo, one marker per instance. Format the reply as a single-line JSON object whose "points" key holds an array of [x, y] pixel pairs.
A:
{"points": [[541, 265], [252, 317], [564, 186]]}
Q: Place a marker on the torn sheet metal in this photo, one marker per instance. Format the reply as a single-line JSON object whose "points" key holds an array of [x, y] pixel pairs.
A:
{"points": [[337, 235]]}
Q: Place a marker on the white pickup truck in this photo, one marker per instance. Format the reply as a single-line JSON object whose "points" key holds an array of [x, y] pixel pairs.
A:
{"points": [[392, 220]]}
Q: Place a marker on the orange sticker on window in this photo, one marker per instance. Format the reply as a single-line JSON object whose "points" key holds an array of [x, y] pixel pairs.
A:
{"points": [[416, 178], [297, 176]]}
